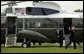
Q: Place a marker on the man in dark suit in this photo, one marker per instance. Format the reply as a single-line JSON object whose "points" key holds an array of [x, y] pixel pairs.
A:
{"points": [[72, 38]]}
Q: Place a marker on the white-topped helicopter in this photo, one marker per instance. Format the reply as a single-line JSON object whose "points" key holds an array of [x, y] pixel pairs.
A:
{"points": [[38, 10]]}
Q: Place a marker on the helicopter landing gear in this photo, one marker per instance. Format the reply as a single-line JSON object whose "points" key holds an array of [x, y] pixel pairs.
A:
{"points": [[25, 43]]}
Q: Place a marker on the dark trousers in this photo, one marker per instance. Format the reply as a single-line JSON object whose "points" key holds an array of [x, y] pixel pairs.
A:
{"points": [[74, 42], [78, 43], [61, 42]]}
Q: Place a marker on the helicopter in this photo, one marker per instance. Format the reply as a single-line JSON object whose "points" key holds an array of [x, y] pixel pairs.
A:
{"points": [[39, 11]]}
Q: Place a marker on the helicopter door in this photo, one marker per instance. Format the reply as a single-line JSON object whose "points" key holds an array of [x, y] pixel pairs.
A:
{"points": [[11, 25], [67, 22]]}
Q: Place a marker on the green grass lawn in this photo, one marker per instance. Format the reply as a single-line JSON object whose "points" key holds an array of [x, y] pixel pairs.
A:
{"points": [[44, 48]]}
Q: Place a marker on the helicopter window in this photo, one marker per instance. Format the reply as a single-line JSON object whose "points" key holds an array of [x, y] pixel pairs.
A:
{"points": [[3, 14], [19, 10], [29, 9], [38, 24], [40, 11], [50, 11], [34, 11], [9, 10]]}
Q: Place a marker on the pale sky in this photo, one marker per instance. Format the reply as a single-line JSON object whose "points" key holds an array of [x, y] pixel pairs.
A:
{"points": [[68, 6]]}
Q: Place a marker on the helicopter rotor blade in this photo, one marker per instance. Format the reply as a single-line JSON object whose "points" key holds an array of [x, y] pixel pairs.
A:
{"points": [[12, 3]]}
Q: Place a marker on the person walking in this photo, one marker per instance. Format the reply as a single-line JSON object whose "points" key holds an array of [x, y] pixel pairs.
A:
{"points": [[72, 38]]}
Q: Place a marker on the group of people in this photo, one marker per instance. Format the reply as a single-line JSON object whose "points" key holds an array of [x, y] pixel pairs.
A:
{"points": [[72, 38]]}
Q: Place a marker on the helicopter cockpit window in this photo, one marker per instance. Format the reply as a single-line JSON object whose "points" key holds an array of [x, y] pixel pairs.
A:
{"points": [[9, 10], [40, 11]]}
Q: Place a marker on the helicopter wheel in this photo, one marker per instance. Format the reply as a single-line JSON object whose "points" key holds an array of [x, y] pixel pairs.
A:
{"points": [[28, 45], [24, 45]]}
